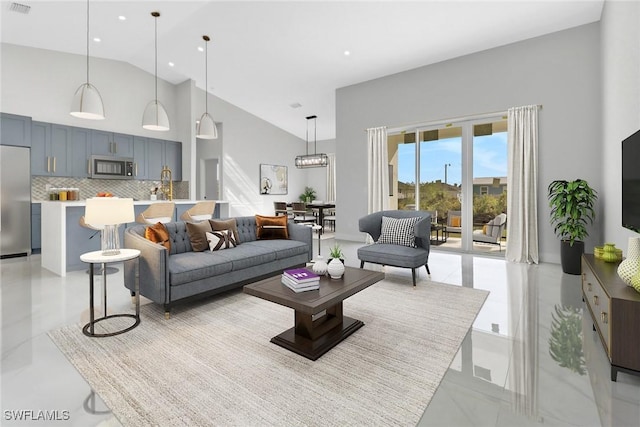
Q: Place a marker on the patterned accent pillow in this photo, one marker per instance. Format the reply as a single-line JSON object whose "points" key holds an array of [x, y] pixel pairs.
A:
{"points": [[272, 227], [158, 233], [398, 231], [226, 224], [219, 240], [197, 237]]}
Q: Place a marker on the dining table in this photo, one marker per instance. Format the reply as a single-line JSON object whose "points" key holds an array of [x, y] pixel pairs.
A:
{"points": [[321, 207]]}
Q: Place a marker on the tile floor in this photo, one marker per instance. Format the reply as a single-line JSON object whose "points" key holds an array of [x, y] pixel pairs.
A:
{"points": [[503, 374]]}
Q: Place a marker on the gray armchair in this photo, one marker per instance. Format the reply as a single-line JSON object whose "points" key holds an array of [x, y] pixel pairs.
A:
{"points": [[397, 255], [494, 229]]}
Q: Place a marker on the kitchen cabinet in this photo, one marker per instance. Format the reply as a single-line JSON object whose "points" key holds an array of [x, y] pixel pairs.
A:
{"points": [[59, 150], [15, 130], [140, 150], [111, 144], [36, 225], [161, 153]]}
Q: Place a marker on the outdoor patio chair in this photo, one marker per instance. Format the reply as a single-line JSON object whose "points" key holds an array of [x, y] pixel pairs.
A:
{"points": [[492, 231]]}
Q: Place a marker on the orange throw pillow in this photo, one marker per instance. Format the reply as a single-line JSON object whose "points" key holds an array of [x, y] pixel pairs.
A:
{"points": [[158, 233], [455, 221], [272, 227]]}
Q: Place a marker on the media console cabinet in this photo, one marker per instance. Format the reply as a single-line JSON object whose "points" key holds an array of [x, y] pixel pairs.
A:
{"points": [[615, 310]]}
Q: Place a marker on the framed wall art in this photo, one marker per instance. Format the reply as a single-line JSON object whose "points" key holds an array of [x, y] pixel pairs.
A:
{"points": [[273, 179]]}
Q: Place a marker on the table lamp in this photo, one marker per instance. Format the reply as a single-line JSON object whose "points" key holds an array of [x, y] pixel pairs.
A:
{"points": [[109, 212]]}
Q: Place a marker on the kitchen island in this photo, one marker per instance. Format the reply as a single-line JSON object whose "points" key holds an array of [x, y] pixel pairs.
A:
{"points": [[64, 239]]}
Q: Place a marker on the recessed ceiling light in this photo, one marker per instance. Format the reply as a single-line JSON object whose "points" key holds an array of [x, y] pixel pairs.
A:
{"points": [[97, 39], [122, 18], [200, 49], [171, 64], [295, 105], [347, 53]]}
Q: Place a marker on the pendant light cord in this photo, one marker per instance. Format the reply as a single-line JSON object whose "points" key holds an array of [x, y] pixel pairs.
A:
{"points": [[87, 41], [156, 49], [206, 74]]}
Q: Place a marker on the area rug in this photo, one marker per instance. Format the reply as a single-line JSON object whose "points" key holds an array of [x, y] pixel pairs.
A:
{"points": [[212, 362]]}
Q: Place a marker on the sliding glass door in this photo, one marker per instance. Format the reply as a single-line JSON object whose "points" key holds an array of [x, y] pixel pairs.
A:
{"points": [[458, 172]]}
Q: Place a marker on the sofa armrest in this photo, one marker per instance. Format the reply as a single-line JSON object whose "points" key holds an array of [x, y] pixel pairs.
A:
{"points": [[153, 273], [301, 233]]}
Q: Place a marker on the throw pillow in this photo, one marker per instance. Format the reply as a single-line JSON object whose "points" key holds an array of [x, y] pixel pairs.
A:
{"points": [[197, 237], [226, 224], [272, 227], [398, 231], [158, 233], [456, 221], [219, 240]]}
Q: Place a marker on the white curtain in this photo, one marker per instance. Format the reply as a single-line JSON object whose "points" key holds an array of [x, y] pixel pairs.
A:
{"points": [[331, 177], [378, 169], [522, 178]]}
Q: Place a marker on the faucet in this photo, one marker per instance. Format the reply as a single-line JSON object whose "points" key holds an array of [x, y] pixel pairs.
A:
{"points": [[166, 185]]}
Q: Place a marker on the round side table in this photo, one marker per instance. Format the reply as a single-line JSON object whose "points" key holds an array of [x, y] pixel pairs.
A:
{"points": [[96, 257]]}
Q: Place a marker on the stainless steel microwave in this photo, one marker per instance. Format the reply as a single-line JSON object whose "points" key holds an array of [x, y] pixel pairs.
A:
{"points": [[109, 167]]}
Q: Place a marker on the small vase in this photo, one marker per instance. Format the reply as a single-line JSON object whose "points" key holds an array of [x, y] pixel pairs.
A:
{"points": [[335, 268], [631, 265], [320, 266], [153, 197], [609, 254]]}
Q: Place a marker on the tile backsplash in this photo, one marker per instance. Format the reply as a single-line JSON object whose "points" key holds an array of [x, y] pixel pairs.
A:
{"points": [[136, 189]]}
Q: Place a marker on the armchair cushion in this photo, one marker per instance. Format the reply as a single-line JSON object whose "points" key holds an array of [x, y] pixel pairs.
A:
{"points": [[398, 231]]}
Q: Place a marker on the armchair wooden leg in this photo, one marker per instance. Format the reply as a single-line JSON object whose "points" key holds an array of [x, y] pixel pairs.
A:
{"points": [[427, 267], [361, 264], [413, 275]]}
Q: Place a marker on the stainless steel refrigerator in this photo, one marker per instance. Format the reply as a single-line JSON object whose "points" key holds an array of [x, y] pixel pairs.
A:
{"points": [[15, 201]]}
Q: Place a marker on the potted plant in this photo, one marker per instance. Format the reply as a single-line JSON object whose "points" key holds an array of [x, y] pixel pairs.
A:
{"points": [[308, 195], [335, 268], [571, 205]]}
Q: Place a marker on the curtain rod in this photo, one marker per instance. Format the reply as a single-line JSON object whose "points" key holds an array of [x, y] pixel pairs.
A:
{"points": [[456, 119]]}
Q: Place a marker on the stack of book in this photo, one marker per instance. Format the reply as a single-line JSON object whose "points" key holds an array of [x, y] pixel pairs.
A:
{"points": [[300, 280]]}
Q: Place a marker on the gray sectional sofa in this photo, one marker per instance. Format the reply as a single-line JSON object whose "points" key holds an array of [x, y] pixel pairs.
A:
{"points": [[181, 275]]}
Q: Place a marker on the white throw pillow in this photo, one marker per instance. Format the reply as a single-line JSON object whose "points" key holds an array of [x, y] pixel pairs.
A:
{"points": [[219, 240]]}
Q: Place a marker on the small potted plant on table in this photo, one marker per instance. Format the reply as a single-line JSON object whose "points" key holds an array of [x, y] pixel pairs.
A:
{"points": [[335, 267]]}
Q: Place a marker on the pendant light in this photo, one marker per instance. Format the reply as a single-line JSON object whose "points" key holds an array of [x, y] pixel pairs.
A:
{"points": [[315, 160], [206, 127], [155, 116], [87, 102]]}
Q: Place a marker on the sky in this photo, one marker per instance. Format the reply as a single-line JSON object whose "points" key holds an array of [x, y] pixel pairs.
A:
{"points": [[489, 159]]}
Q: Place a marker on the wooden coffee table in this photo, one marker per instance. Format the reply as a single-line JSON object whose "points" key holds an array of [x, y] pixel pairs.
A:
{"points": [[319, 322]]}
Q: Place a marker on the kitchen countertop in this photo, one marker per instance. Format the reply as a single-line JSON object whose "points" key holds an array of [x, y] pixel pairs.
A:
{"points": [[135, 202]]}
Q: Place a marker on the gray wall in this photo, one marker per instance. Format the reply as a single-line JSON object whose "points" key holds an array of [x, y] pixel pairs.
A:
{"points": [[41, 83], [621, 106], [561, 71]]}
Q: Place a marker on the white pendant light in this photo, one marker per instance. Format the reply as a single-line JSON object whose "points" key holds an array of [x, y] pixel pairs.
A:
{"points": [[87, 102], [155, 116], [206, 127], [315, 160]]}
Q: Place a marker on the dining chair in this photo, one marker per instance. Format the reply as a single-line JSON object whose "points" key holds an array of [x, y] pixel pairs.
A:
{"points": [[280, 208], [300, 213]]}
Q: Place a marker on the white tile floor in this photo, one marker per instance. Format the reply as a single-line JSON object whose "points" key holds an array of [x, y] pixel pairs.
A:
{"points": [[503, 374]]}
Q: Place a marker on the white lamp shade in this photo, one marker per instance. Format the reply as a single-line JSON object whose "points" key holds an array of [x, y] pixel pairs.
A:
{"points": [[87, 103], [101, 211], [155, 117], [207, 128]]}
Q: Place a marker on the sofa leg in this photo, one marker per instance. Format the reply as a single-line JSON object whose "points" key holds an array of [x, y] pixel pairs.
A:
{"points": [[413, 274], [361, 264], [427, 267], [167, 311]]}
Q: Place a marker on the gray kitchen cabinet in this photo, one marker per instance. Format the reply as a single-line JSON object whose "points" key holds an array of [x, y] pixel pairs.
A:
{"points": [[58, 150], [161, 153], [36, 227], [140, 150], [15, 130], [111, 144]]}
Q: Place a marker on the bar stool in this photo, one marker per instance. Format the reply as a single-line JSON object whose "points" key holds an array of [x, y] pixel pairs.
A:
{"points": [[98, 229], [201, 211], [157, 212]]}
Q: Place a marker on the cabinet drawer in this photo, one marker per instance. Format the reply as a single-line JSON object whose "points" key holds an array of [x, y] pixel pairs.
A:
{"points": [[600, 305]]}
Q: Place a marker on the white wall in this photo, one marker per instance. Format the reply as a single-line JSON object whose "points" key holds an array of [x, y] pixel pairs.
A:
{"points": [[40, 84], [561, 71], [621, 106]]}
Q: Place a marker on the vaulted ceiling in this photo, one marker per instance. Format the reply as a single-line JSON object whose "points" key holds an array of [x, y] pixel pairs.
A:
{"points": [[268, 57]]}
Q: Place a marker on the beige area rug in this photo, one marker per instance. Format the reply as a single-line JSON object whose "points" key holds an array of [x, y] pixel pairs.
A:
{"points": [[212, 363]]}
